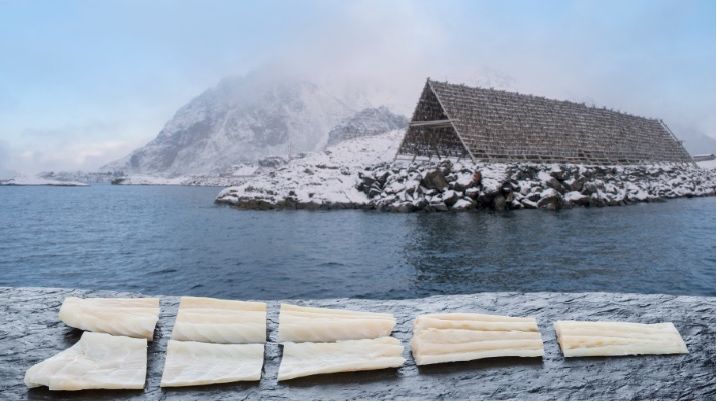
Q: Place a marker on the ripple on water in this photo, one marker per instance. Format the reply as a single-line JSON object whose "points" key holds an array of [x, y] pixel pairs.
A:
{"points": [[138, 238]]}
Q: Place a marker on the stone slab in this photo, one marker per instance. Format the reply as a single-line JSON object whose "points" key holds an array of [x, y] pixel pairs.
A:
{"points": [[32, 332]]}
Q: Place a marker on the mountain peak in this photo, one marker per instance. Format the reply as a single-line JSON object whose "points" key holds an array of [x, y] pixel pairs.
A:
{"points": [[242, 119]]}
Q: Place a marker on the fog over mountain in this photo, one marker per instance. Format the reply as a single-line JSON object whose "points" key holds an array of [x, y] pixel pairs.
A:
{"points": [[246, 118], [368, 122]]}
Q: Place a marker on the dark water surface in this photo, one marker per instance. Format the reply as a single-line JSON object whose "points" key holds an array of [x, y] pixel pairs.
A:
{"points": [[173, 240]]}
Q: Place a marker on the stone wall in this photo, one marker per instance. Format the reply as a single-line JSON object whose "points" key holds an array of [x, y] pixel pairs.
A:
{"points": [[426, 186]]}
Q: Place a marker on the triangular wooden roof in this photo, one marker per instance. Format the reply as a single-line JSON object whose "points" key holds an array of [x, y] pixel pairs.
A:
{"points": [[488, 124]]}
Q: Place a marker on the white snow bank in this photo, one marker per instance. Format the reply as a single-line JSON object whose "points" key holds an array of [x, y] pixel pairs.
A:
{"points": [[149, 180], [324, 177], [707, 164], [28, 180]]}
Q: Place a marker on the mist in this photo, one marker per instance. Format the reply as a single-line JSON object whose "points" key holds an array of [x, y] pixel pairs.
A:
{"points": [[124, 68]]}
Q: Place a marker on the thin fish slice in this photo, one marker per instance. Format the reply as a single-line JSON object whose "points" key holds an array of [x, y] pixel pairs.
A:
{"points": [[133, 317], [305, 359], [211, 320], [97, 361], [307, 310], [586, 339], [450, 337], [191, 363], [486, 325], [307, 324]]}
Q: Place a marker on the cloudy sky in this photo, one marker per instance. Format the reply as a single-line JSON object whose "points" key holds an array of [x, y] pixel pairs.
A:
{"points": [[85, 82]]}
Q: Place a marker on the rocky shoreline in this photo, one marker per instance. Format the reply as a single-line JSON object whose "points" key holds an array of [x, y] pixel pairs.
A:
{"points": [[447, 186], [33, 333]]}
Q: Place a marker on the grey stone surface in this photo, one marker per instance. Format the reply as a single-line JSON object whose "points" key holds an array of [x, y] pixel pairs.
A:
{"points": [[32, 332]]}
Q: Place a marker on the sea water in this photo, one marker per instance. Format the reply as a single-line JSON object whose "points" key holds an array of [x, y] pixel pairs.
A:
{"points": [[173, 240]]}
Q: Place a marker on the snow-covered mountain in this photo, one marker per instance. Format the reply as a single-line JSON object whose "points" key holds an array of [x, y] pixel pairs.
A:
{"points": [[243, 119], [368, 122]]}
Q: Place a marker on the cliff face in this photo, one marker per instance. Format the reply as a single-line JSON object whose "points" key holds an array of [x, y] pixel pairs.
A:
{"points": [[33, 333], [241, 119], [244, 119]]}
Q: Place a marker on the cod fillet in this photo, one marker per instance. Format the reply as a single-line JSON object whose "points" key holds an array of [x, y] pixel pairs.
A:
{"points": [[304, 359], [97, 361], [133, 317], [307, 324], [586, 339], [212, 320], [450, 337], [191, 363]]}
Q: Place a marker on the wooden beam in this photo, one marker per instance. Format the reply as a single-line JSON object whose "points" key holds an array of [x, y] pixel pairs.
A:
{"points": [[431, 123]]}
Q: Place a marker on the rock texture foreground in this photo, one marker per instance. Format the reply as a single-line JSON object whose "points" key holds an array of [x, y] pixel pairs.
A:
{"points": [[32, 333], [445, 186]]}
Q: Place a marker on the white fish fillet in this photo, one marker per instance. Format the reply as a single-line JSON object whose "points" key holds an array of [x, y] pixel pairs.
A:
{"points": [[191, 363], [585, 339], [212, 320], [304, 359], [306, 324], [97, 361], [133, 317], [453, 337]]}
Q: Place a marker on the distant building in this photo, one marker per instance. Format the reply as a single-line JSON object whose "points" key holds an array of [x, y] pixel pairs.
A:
{"points": [[489, 125]]}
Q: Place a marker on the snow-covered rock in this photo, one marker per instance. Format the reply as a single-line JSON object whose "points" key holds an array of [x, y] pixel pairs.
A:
{"points": [[361, 173], [322, 179], [37, 181], [554, 186], [707, 164], [81, 176]]}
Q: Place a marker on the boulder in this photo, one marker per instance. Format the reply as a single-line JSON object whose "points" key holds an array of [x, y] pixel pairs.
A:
{"points": [[577, 198], [445, 166], [578, 184], [272, 162], [529, 204], [405, 207], [366, 180], [450, 197], [464, 203], [462, 182], [550, 199], [477, 178], [434, 180], [533, 197], [557, 173], [438, 206], [374, 191], [472, 192], [596, 200], [382, 177], [589, 188], [499, 203], [555, 184], [420, 204]]}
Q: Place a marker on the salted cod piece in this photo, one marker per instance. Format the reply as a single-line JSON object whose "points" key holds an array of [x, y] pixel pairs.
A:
{"points": [[301, 324], [304, 359], [133, 317], [213, 320], [450, 337], [97, 361], [588, 339], [191, 363]]}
